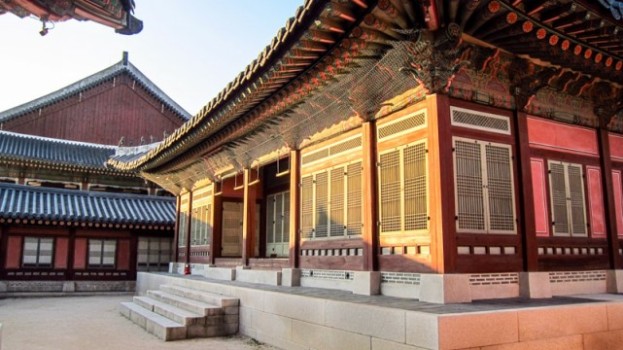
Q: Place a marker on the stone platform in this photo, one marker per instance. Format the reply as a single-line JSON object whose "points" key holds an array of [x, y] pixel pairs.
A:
{"points": [[303, 318]]}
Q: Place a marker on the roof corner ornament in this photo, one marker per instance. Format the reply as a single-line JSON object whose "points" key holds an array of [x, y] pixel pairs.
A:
{"points": [[607, 102], [527, 79], [435, 57]]}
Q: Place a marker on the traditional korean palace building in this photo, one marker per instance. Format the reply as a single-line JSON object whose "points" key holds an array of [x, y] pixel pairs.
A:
{"points": [[67, 221], [442, 150]]}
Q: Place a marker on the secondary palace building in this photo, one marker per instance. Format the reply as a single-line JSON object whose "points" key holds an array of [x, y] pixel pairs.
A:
{"points": [[67, 221], [440, 150]]}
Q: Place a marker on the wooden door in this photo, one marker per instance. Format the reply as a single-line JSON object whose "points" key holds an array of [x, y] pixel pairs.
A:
{"points": [[232, 229]]}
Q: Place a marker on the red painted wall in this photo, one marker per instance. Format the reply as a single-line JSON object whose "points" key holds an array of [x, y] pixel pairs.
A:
{"points": [[14, 252], [618, 200], [123, 254], [80, 253], [60, 254], [616, 146], [552, 135], [102, 115], [596, 202]]}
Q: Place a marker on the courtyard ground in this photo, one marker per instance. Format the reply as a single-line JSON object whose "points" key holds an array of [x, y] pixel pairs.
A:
{"points": [[90, 322]]}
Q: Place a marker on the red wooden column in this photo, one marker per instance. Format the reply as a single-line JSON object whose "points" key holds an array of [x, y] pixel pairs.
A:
{"points": [[525, 210], [441, 184], [189, 225], [176, 234], [295, 207], [215, 243], [369, 183], [608, 188], [248, 218]]}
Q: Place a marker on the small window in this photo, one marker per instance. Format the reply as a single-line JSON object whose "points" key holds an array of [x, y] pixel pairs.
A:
{"points": [[154, 253], [201, 225], [567, 199], [102, 252], [38, 252]]}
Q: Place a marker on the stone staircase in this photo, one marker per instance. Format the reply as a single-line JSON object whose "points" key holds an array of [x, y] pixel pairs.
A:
{"points": [[175, 312]]}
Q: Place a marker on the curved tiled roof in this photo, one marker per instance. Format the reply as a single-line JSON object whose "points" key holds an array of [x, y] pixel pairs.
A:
{"points": [[121, 67], [59, 153], [326, 37], [48, 205], [16, 146], [615, 7], [256, 82]]}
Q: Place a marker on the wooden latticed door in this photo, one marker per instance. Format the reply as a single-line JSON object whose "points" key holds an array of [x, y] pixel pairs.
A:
{"points": [[232, 229]]}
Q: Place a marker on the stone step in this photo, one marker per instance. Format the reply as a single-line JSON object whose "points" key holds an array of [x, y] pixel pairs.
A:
{"points": [[153, 323], [181, 302], [200, 295], [182, 316]]}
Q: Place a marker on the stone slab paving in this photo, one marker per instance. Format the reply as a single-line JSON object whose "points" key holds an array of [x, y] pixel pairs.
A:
{"points": [[90, 323]]}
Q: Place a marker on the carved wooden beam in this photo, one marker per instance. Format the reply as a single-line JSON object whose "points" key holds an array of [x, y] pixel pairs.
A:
{"points": [[527, 79], [607, 102], [434, 57]]}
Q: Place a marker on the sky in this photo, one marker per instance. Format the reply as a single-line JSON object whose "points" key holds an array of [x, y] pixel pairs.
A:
{"points": [[190, 49]]}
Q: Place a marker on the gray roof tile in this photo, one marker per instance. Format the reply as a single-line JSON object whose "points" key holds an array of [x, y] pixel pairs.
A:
{"points": [[28, 147], [35, 203]]}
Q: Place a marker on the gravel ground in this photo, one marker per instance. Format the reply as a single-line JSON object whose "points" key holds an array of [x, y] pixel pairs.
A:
{"points": [[90, 323]]}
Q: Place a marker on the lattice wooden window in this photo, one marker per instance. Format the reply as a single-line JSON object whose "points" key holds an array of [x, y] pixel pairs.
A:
{"points": [[181, 237], [481, 121], [270, 218], [307, 206], [286, 217], [333, 199], [184, 220], [37, 252], [354, 209], [321, 207], [102, 252], [201, 225], [277, 223], [154, 253], [484, 187], [567, 199], [336, 218], [348, 145], [404, 189], [402, 126], [500, 188]]}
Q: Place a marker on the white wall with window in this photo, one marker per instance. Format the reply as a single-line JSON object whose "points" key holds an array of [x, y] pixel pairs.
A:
{"points": [[566, 182], [37, 252], [484, 189]]}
